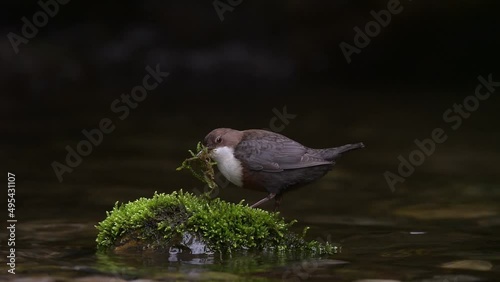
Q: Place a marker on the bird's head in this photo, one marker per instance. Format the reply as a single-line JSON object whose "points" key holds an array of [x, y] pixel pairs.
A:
{"points": [[222, 137]]}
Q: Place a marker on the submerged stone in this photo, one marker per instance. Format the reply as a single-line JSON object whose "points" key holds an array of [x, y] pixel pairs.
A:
{"points": [[184, 223]]}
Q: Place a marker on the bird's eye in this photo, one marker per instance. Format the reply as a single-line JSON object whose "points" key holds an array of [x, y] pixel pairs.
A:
{"points": [[218, 139]]}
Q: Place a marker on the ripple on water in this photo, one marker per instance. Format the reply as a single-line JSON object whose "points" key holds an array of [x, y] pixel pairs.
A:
{"points": [[480, 265]]}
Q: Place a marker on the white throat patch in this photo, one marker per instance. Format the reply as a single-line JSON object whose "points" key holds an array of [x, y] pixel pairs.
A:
{"points": [[229, 166]]}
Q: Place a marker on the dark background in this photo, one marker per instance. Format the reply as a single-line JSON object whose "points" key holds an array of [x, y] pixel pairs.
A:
{"points": [[429, 45], [264, 55]]}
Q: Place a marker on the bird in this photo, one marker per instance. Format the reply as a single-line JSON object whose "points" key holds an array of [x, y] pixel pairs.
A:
{"points": [[270, 162]]}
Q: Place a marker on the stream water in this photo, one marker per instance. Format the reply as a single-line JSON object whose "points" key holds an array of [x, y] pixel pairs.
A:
{"points": [[441, 224]]}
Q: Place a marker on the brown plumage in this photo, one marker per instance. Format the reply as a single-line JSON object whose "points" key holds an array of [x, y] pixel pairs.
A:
{"points": [[268, 161]]}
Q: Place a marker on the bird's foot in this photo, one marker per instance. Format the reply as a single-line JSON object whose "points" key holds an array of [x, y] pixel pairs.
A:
{"points": [[269, 197], [277, 202]]}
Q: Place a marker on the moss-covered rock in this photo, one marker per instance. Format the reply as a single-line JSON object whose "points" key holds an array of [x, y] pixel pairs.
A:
{"points": [[185, 222]]}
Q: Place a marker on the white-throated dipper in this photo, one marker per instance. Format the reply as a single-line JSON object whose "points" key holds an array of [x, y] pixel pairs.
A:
{"points": [[267, 161]]}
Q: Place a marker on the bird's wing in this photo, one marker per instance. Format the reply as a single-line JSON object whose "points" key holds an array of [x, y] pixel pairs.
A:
{"points": [[275, 153]]}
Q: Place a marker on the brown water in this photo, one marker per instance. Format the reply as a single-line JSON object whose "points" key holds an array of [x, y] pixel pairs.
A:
{"points": [[441, 224]]}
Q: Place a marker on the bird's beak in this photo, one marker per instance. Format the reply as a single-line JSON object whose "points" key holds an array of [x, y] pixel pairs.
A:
{"points": [[209, 151]]}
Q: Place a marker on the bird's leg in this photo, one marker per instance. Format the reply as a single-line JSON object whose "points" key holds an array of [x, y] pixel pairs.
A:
{"points": [[269, 197], [277, 202]]}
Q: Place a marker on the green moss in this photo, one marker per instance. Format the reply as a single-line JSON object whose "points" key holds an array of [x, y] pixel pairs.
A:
{"points": [[199, 224], [185, 221]]}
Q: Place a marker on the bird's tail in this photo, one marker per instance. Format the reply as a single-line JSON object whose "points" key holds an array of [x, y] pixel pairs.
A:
{"points": [[332, 154]]}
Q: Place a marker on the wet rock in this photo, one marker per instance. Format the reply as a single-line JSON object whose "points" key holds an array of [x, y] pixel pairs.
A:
{"points": [[188, 224]]}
